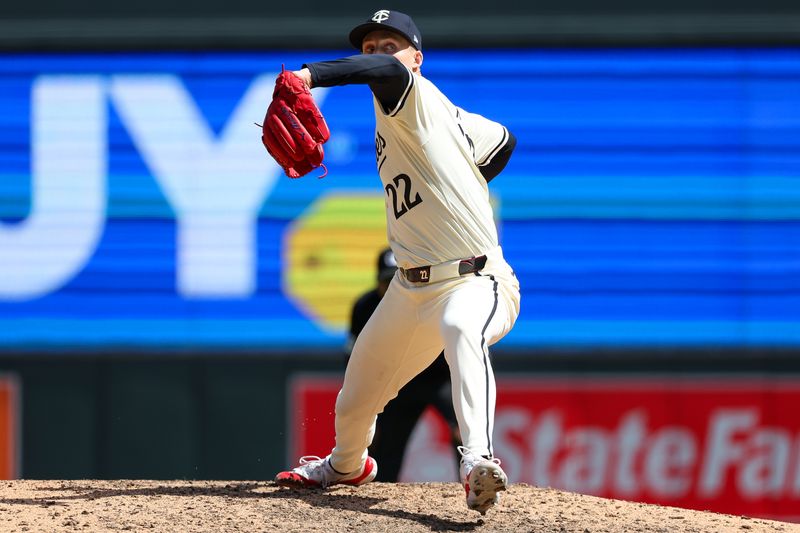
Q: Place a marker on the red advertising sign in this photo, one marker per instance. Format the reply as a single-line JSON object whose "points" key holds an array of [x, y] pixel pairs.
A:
{"points": [[311, 414], [718, 444], [9, 432], [429, 453]]}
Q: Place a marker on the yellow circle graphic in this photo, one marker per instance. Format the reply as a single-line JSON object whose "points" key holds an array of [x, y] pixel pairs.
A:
{"points": [[330, 254]]}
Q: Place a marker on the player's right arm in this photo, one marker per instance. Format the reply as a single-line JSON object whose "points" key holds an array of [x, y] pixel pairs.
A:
{"points": [[388, 79]]}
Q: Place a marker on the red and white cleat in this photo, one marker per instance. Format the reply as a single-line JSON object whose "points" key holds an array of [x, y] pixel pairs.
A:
{"points": [[483, 479], [315, 471]]}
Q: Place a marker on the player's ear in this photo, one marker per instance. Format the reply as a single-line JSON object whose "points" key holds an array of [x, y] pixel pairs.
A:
{"points": [[417, 59]]}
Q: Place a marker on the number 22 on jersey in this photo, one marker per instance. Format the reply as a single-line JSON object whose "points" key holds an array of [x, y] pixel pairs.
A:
{"points": [[402, 206], [400, 189]]}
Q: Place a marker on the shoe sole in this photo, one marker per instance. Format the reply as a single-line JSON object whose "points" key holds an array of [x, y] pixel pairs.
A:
{"points": [[293, 480], [484, 482]]}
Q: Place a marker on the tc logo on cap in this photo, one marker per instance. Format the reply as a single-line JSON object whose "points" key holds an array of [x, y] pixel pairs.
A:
{"points": [[381, 15]]}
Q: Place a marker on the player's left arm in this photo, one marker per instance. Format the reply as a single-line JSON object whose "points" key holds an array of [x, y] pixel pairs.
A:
{"points": [[496, 164], [491, 142]]}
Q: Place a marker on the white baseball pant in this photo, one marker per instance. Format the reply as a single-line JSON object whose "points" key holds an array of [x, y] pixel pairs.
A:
{"points": [[413, 322]]}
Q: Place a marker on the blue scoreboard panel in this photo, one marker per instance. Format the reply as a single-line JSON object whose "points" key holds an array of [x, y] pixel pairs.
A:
{"points": [[653, 199]]}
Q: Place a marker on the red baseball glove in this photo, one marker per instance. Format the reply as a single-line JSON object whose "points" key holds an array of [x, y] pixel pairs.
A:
{"points": [[294, 128]]}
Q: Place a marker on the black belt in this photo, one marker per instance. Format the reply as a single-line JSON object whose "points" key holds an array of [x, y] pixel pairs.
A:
{"points": [[465, 266]]}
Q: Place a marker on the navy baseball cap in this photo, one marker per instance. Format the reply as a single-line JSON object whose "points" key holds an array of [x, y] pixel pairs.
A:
{"points": [[387, 265], [391, 21]]}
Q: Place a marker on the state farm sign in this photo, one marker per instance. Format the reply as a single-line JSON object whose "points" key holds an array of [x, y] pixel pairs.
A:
{"points": [[719, 444], [730, 446]]}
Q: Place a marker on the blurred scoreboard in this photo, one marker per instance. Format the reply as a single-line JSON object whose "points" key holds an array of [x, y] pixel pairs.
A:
{"points": [[653, 200]]}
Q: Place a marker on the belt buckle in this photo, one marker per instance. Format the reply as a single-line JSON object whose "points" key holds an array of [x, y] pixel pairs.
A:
{"points": [[424, 274], [418, 275]]}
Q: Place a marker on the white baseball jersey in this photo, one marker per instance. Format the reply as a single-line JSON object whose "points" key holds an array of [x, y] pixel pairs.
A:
{"points": [[428, 152]]}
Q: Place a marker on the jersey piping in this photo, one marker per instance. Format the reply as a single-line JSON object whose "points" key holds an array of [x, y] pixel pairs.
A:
{"points": [[404, 97], [485, 350], [488, 159]]}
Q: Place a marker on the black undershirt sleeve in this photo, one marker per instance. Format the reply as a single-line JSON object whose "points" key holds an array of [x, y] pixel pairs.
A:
{"points": [[388, 80], [386, 76], [500, 160]]}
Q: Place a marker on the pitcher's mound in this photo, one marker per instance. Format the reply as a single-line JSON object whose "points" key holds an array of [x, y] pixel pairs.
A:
{"points": [[219, 506]]}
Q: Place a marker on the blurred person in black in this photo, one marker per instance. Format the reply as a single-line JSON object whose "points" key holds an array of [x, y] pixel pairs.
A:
{"points": [[430, 388]]}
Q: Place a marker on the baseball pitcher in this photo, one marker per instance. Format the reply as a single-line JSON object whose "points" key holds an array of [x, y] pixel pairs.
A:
{"points": [[453, 289]]}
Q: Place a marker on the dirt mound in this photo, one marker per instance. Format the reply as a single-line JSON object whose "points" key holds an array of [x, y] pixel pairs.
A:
{"points": [[217, 506]]}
